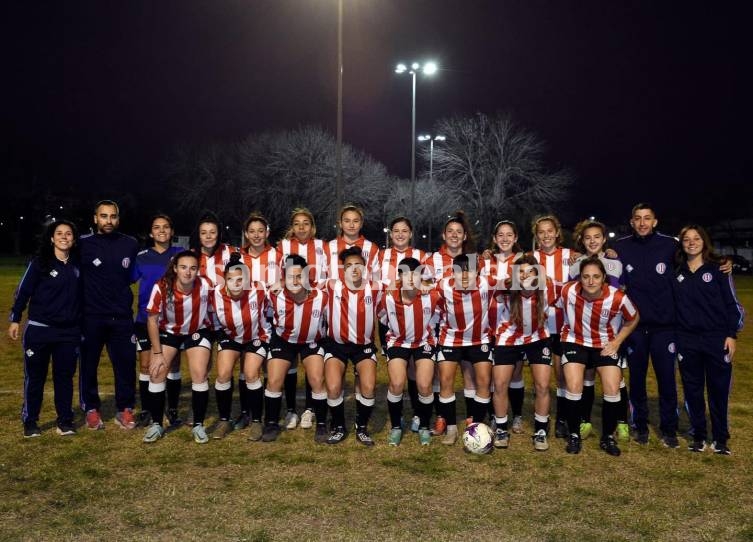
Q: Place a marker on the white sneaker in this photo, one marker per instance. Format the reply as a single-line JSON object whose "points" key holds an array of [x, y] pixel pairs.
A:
{"points": [[307, 419], [199, 434], [517, 424], [291, 420], [415, 424]]}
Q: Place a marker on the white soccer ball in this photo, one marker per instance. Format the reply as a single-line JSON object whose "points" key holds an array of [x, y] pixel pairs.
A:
{"points": [[478, 438]]}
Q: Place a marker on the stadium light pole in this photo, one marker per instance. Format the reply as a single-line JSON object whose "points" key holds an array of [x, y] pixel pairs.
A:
{"points": [[339, 158], [428, 68], [431, 141]]}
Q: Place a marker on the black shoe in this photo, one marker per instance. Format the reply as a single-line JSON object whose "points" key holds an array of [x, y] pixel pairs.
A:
{"points": [[697, 446], [321, 435], [242, 421], [337, 435], [573, 444], [641, 437], [271, 432], [172, 417], [362, 435], [560, 429], [31, 430], [65, 429], [144, 419], [720, 448], [670, 441], [609, 445]]}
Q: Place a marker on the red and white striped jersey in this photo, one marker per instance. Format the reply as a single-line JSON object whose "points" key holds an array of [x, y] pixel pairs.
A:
{"points": [[263, 268], [409, 325], [243, 319], [497, 267], [213, 267], [351, 314], [509, 334], [557, 266], [181, 314], [439, 264], [464, 313], [369, 250], [299, 323], [594, 323], [390, 258], [313, 251]]}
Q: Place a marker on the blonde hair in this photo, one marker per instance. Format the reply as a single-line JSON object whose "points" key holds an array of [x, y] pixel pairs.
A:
{"points": [[300, 211]]}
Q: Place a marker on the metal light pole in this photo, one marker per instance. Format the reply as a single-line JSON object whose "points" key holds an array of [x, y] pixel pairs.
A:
{"points": [[429, 68], [431, 141], [339, 183]]}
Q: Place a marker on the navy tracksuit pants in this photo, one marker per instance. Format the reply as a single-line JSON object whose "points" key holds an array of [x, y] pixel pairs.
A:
{"points": [[703, 364], [660, 345], [117, 335], [41, 344]]}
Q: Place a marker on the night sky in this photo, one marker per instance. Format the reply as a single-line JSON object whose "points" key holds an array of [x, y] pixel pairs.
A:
{"points": [[640, 100]]}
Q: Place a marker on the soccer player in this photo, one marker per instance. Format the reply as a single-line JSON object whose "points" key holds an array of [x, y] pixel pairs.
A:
{"points": [[239, 313], [709, 317], [151, 264], [300, 239], [458, 239], [496, 261], [408, 314], [591, 239], [206, 241], [598, 319], [555, 259], [178, 320], [107, 260], [401, 235], [351, 317], [523, 332], [464, 336], [51, 288], [298, 318], [350, 224]]}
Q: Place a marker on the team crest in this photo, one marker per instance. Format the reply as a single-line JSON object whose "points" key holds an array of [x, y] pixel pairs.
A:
{"points": [[312, 345], [316, 313], [257, 343], [367, 300], [367, 350], [611, 266], [707, 277], [605, 313], [319, 251], [661, 268], [195, 337], [126, 263], [29, 353], [546, 352], [613, 356], [671, 347], [427, 348], [484, 348], [133, 339]]}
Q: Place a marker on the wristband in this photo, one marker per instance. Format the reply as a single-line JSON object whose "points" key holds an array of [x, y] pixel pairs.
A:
{"points": [[155, 353]]}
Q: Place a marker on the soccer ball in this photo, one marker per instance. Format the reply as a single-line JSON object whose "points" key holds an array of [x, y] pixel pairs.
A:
{"points": [[478, 438]]}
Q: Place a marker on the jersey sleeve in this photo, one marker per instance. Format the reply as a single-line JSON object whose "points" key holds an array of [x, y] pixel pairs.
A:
{"points": [[156, 300], [627, 308]]}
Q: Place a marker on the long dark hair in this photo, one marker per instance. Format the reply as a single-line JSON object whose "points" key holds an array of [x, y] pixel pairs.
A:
{"points": [[46, 250], [493, 242], [255, 216], [469, 245], [516, 297], [167, 281], [707, 254], [207, 217]]}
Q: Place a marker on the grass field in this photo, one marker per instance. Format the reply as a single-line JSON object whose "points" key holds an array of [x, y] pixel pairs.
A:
{"points": [[109, 485]]}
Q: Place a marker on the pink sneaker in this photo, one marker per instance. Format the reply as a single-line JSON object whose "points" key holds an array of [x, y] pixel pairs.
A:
{"points": [[94, 420]]}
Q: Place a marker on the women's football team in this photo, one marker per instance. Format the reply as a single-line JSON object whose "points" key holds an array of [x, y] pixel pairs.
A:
{"points": [[317, 306]]}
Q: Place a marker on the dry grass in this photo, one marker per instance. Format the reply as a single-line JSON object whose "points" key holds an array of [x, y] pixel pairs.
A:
{"points": [[108, 485]]}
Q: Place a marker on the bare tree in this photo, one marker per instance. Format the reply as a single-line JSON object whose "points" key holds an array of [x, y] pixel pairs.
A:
{"points": [[495, 170]]}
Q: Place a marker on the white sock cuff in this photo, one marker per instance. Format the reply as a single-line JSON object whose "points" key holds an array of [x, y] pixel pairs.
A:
{"points": [[272, 394], [445, 400], [500, 419], [573, 396], [255, 385], [426, 400], [174, 376], [358, 396], [367, 401], [335, 402], [469, 393], [483, 400], [517, 385], [319, 396], [156, 387], [561, 392], [394, 398], [589, 383], [612, 398], [223, 386], [200, 386], [143, 377], [542, 418]]}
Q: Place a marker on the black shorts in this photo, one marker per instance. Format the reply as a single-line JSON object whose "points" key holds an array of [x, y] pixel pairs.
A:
{"points": [[202, 337], [539, 352], [280, 349], [425, 351], [255, 346], [555, 344], [588, 356], [475, 354], [142, 337], [349, 352]]}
